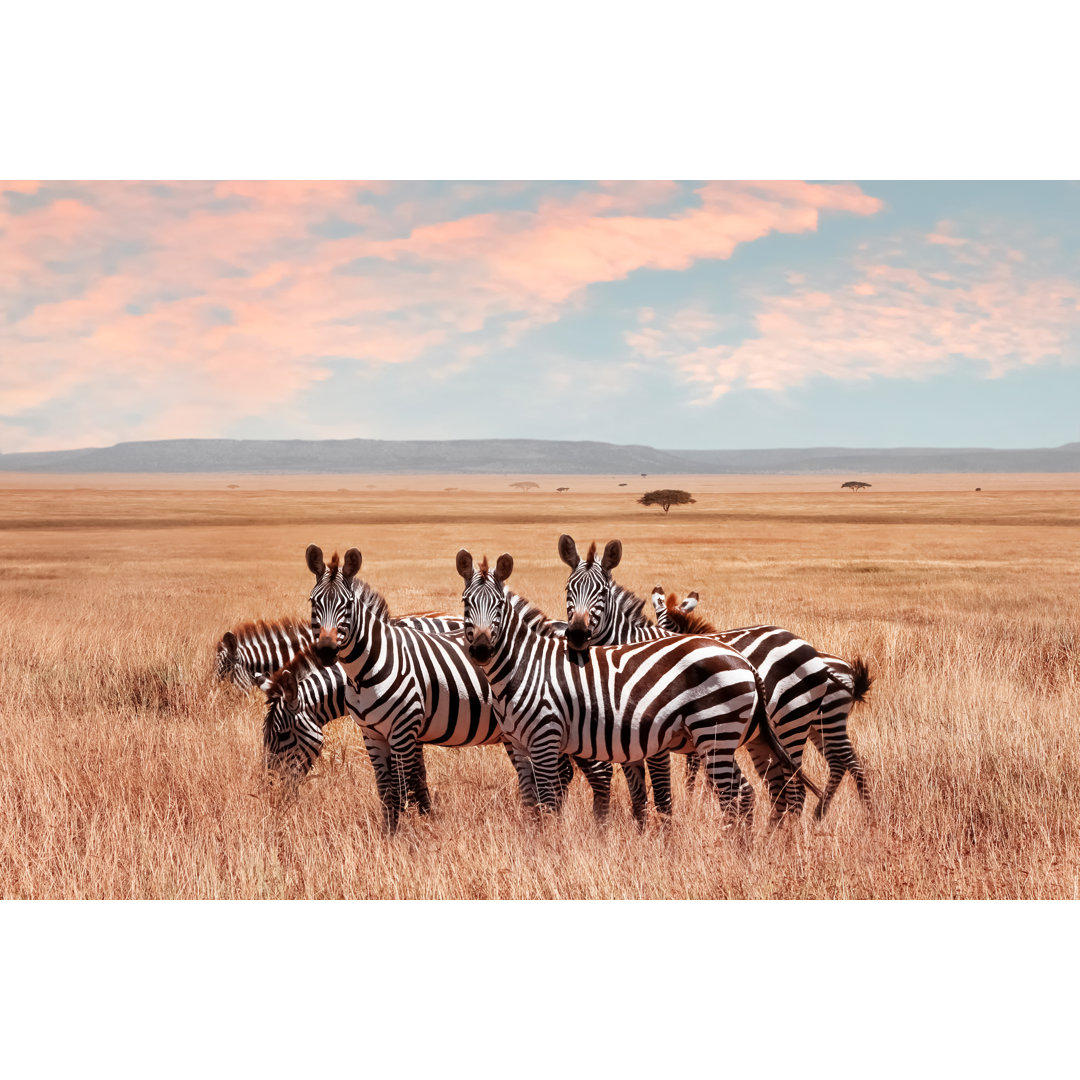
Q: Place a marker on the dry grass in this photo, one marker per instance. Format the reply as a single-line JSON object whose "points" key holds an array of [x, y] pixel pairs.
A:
{"points": [[126, 772]]}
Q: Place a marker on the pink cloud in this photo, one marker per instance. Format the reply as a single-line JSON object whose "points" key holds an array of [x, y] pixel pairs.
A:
{"points": [[893, 321], [228, 297]]}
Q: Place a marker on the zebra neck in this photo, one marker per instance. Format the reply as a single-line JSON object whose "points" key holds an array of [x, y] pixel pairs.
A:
{"points": [[523, 644], [365, 645], [626, 624]]}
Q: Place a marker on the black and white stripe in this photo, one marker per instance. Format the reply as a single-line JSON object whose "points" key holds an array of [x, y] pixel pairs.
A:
{"points": [[848, 685], [409, 687], [618, 704], [600, 612]]}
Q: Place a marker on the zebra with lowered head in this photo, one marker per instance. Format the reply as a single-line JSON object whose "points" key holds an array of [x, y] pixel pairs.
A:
{"points": [[622, 703]]}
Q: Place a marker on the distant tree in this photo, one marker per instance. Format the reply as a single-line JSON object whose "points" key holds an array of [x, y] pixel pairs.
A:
{"points": [[644, 474], [666, 497], [525, 485], [856, 485], [232, 487], [978, 489], [622, 485], [562, 489]]}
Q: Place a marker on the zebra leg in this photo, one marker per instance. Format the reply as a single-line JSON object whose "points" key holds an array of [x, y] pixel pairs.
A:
{"points": [[406, 757], [660, 775], [417, 785], [693, 763], [379, 753], [598, 774], [639, 798], [566, 774], [544, 755], [523, 767], [745, 798], [840, 755], [770, 772], [718, 757]]}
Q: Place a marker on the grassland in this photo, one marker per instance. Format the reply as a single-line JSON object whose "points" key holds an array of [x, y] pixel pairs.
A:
{"points": [[125, 771]]}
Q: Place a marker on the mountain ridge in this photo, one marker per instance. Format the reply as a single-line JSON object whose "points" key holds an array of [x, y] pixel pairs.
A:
{"points": [[521, 456]]}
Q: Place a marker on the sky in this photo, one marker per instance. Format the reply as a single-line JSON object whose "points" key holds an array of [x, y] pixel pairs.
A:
{"points": [[697, 314]]}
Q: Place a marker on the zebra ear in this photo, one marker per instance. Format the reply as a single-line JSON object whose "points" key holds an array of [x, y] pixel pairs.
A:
{"points": [[504, 567], [351, 566], [658, 598], [690, 602], [261, 681], [228, 639], [612, 555], [315, 560], [287, 681], [568, 551], [464, 564]]}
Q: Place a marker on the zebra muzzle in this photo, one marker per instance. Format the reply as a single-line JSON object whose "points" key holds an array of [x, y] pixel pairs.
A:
{"points": [[326, 646], [577, 631]]}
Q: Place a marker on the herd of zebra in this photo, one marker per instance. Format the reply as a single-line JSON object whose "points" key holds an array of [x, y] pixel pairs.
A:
{"points": [[607, 686]]}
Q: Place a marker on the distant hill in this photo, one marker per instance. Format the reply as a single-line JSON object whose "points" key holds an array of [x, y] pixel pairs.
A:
{"points": [[518, 456]]}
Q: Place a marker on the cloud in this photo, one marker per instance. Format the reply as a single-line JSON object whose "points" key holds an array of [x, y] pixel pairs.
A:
{"points": [[173, 304], [971, 301]]}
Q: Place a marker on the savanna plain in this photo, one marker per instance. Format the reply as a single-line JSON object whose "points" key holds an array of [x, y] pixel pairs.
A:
{"points": [[127, 771]]}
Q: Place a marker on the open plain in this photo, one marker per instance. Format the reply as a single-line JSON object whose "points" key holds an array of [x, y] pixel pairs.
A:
{"points": [[126, 771]]}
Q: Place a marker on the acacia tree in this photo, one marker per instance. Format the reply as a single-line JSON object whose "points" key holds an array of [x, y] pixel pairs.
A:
{"points": [[525, 485], [856, 485], [666, 497]]}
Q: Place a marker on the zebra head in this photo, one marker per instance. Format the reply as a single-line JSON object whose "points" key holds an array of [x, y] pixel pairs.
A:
{"points": [[663, 604], [292, 740], [332, 601], [588, 591], [227, 667], [485, 603]]}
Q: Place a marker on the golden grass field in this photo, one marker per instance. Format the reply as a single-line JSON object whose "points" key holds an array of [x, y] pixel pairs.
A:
{"points": [[127, 772]]}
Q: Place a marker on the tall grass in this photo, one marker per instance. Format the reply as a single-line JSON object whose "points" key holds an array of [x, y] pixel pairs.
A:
{"points": [[126, 771]]}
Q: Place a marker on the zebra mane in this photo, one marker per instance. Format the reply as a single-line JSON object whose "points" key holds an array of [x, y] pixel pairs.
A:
{"points": [[591, 557], [301, 665], [289, 626], [372, 599], [686, 622], [629, 605], [532, 616]]}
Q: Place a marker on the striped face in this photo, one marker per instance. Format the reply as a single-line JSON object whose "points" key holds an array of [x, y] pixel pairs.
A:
{"points": [[332, 601], [588, 591], [226, 660], [292, 739], [485, 604]]}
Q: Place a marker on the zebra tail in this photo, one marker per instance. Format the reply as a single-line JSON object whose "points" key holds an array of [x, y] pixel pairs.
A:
{"points": [[761, 720], [863, 679]]}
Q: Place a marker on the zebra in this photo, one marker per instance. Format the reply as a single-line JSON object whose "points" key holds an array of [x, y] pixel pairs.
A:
{"points": [[262, 648], [410, 687], [302, 697], [259, 647], [849, 685], [619, 703], [600, 612], [251, 653]]}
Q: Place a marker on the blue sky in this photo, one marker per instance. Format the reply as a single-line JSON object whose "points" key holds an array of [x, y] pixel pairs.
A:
{"points": [[694, 314]]}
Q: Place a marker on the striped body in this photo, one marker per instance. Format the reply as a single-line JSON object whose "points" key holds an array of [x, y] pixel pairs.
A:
{"points": [[409, 687], [794, 678], [260, 647], [827, 730], [620, 704], [255, 647]]}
